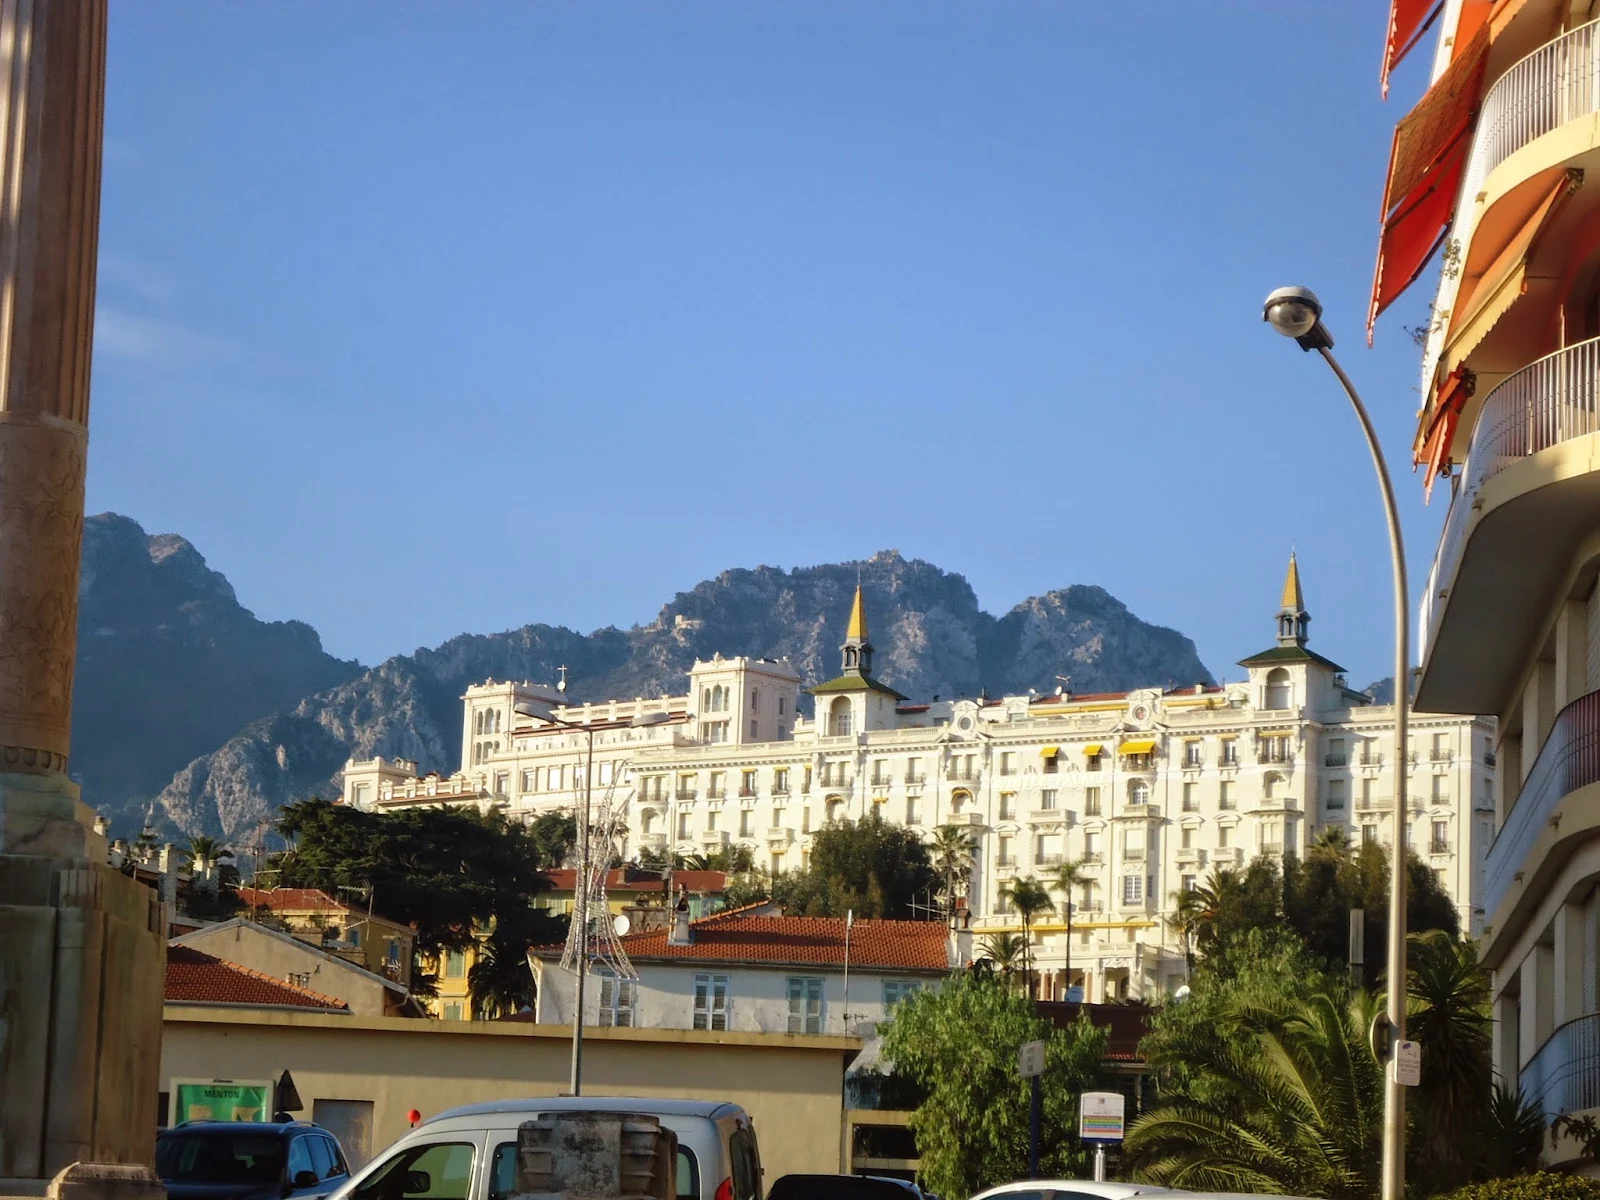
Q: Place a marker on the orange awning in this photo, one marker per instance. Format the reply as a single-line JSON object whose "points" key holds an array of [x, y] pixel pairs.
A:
{"points": [[1504, 281], [1408, 21], [1435, 455], [1426, 162]]}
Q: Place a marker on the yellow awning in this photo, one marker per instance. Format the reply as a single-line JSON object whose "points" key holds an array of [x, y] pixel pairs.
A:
{"points": [[1092, 749], [1050, 751], [1140, 746]]}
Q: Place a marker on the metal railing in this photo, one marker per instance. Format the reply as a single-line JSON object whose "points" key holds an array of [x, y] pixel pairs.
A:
{"points": [[1551, 400], [1563, 1076], [1557, 83], [1568, 760], [1335, 760]]}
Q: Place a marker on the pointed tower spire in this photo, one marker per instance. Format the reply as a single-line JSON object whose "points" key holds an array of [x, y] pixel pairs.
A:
{"points": [[857, 629], [1293, 619], [856, 653]]}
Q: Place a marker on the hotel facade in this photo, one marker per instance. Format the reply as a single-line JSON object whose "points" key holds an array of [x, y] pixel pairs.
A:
{"points": [[1493, 165], [1149, 790]]}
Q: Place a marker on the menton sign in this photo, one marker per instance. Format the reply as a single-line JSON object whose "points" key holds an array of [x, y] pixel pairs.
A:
{"points": [[221, 1100]]}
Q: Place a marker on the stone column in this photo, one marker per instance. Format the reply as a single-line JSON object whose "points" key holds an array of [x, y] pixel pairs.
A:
{"points": [[81, 945]]}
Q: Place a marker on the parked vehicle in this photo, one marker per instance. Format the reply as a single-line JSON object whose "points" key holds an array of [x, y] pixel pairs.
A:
{"points": [[1074, 1189], [249, 1160], [470, 1153], [845, 1187]]}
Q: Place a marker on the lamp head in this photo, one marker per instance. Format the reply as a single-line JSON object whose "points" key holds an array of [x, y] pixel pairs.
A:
{"points": [[1297, 313]]}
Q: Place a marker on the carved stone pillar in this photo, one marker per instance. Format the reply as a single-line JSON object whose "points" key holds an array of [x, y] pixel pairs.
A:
{"points": [[82, 946]]}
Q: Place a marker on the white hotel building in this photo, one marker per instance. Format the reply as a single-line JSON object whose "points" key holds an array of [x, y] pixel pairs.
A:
{"points": [[1151, 789]]}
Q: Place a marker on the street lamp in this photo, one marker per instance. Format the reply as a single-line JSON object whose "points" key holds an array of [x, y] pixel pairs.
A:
{"points": [[580, 890], [1296, 312]]}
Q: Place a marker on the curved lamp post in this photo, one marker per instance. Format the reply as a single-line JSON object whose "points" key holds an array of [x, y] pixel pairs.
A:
{"points": [[1296, 312]]}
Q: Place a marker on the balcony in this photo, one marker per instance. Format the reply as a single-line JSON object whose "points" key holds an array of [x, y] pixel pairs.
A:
{"points": [[715, 838], [915, 780], [747, 792], [1047, 860], [1563, 1075], [1279, 758], [1374, 803], [1529, 495], [1568, 760], [779, 837], [962, 775], [1047, 816], [1335, 760]]}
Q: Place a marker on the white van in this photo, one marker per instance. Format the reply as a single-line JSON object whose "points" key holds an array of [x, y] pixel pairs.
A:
{"points": [[470, 1153]]}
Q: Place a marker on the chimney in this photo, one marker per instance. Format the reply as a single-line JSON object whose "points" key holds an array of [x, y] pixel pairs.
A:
{"points": [[959, 948], [101, 825], [682, 934]]}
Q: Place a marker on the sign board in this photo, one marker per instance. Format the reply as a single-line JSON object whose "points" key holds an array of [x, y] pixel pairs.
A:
{"points": [[1030, 1059], [1075, 994], [1408, 1064], [221, 1100], [1100, 1116]]}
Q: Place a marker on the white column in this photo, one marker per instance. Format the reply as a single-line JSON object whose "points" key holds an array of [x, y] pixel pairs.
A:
{"points": [[1507, 1021]]}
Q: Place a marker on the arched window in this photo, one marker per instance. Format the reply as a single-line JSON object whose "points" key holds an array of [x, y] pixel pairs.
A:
{"points": [[1271, 785], [1139, 792], [477, 722], [705, 700], [840, 717], [647, 821], [835, 807], [957, 799], [1280, 691]]}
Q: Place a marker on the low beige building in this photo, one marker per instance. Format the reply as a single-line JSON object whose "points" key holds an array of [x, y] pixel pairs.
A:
{"points": [[362, 1075], [280, 956]]}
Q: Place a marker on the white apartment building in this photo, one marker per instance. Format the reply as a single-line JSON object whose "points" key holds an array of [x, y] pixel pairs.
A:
{"points": [[1150, 789]]}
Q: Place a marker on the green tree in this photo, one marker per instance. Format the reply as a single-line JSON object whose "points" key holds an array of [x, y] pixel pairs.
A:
{"points": [[501, 980], [1188, 912], [869, 866], [952, 850], [1007, 951], [1030, 898], [1069, 877], [445, 870], [1292, 1103], [960, 1043], [1543, 1185]]}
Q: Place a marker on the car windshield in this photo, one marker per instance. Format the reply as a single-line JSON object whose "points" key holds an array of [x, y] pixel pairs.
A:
{"points": [[220, 1156]]}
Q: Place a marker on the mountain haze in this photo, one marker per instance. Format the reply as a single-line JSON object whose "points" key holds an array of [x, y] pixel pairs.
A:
{"points": [[246, 716]]}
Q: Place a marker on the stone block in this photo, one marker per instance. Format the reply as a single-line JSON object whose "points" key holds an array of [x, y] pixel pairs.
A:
{"points": [[106, 1181]]}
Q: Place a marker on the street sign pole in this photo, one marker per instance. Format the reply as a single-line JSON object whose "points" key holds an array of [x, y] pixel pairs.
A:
{"points": [[1099, 1162], [1101, 1119], [1035, 1120], [1030, 1065]]}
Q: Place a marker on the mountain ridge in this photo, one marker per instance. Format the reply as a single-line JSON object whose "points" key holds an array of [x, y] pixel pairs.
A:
{"points": [[931, 636]]}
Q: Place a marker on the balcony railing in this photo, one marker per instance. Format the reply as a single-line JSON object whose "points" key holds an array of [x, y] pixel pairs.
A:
{"points": [[1549, 401], [1568, 760], [1557, 83], [1335, 760], [961, 774], [1563, 1076]]}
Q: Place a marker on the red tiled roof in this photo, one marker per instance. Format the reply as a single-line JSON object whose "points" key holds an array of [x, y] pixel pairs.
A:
{"points": [[196, 978], [698, 882], [286, 899], [816, 941]]}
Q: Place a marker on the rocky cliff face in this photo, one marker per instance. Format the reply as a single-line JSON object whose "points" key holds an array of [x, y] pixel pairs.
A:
{"points": [[930, 635], [170, 664]]}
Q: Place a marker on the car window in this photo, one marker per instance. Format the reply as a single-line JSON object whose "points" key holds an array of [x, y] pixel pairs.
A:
{"points": [[688, 1174], [300, 1159], [503, 1171], [428, 1171], [340, 1167], [746, 1179], [220, 1156], [321, 1155]]}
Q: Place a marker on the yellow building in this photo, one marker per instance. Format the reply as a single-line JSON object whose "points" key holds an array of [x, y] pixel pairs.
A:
{"points": [[379, 945], [1497, 163]]}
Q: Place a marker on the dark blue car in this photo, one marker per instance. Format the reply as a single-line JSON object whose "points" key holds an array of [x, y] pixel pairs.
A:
{"points": [[240, 1160]]}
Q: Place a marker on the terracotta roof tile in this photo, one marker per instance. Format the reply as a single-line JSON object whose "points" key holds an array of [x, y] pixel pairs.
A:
{"points": [[287, 899], [196, 978]]}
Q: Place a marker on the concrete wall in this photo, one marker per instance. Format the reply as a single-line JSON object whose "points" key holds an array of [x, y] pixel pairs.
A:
{"points": [[793, 1087], [281, 956]]}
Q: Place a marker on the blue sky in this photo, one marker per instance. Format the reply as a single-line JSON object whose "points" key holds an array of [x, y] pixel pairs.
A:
{"points": [[422, 320]]}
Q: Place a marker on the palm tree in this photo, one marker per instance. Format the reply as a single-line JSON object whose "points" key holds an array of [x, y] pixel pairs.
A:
{"points": [[1030, 898], [1295, 1107], [952, 850], [1069, 876], [1005, 951], [1188, 911], [204, 851]]}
